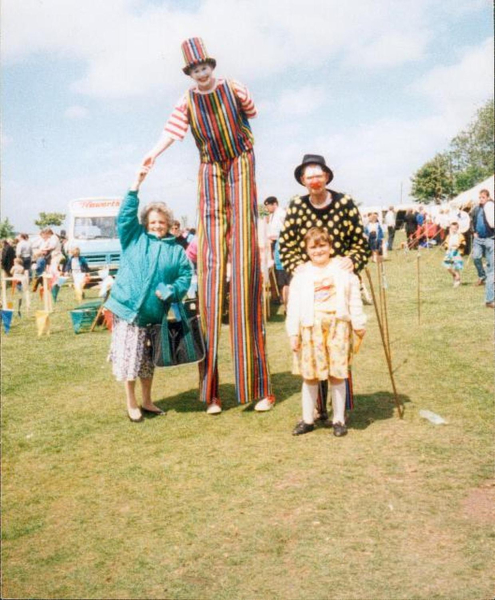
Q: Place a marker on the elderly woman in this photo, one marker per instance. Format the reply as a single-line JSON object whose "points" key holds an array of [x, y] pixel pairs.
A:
{"points": [[153, 268]]}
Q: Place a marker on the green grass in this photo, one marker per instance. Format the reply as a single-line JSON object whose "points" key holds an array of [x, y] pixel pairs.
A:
{"points": [[233, 507]]}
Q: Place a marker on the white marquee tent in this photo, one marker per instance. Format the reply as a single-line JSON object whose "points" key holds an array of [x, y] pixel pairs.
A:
{"points": [[472, 194]]}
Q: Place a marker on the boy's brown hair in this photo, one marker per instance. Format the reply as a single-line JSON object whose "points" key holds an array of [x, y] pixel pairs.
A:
{"points": [[318, 236]]}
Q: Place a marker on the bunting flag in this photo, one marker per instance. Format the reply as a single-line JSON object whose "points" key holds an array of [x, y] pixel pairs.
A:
{"points": [[79, 293], [43, 322], [108, 319], [79, 282], [55, 291], [56, 287], [7, 319]]}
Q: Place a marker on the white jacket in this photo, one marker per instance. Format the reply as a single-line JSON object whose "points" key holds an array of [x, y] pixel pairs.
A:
{"points": [[300, 309]]}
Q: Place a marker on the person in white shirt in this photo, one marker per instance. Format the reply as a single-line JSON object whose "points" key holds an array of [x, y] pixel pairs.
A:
{"points": [[276, 219], [24, 251], [390, 224]]}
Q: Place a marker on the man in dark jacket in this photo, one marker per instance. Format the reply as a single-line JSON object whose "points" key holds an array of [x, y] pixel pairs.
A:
{"points": [[483, 240], [8, 255]]}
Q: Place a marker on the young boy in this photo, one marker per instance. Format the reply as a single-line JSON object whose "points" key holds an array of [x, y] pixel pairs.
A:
{"points": [[217, 110]]}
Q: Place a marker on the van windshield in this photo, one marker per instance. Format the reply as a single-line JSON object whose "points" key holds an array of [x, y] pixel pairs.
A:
{"points": [[92, 228]]}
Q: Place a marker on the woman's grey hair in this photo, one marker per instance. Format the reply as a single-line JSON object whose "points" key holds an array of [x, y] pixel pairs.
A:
{"points": [[160, 207]]}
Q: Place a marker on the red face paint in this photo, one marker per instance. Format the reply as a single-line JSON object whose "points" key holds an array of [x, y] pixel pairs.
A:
{"points": [[315, 185]]}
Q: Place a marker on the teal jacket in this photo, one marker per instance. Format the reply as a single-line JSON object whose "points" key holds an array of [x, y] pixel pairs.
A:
{"points": [[147, 263]]}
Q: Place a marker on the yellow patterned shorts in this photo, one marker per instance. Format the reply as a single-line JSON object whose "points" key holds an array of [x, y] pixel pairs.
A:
{"points": [[325, 349]]}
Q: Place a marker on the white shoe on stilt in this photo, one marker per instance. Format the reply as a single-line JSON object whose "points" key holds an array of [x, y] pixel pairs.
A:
{"points": [[265, 404], [214, 409]]}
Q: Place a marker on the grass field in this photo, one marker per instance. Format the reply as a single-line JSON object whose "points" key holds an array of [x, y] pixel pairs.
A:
{"points": [[189, 506]]}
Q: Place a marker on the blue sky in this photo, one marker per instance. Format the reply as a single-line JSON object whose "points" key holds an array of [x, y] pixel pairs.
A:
{"points": [[376, 86]]}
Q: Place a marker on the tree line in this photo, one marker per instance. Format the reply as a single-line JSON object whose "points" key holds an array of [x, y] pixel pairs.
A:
{"points": [[468, 161]]}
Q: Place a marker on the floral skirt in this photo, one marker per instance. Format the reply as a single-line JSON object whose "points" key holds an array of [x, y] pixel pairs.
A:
{"points": [[325, 349], [453, 260], [130, 351]]}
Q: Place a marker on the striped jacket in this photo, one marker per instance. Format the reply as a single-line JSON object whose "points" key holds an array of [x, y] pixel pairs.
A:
{"points": [[218, 120]]}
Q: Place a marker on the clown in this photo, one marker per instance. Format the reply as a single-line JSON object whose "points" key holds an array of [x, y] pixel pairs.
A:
{"points": [[333, 211], [217, 111]]}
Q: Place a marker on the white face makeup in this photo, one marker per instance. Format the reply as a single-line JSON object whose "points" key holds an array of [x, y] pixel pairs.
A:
{"points": [[318, 254], [314, 178], [157, 224], [203, 76]]}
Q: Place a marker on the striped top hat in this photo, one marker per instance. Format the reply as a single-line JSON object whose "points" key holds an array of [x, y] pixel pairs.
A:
{"points": [[195, 53]]}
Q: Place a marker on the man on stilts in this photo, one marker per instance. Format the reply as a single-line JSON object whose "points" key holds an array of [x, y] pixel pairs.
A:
{"points": [[217, 111]]}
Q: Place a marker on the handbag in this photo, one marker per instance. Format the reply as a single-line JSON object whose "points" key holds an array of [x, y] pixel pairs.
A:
{"points": [[178, 340]]}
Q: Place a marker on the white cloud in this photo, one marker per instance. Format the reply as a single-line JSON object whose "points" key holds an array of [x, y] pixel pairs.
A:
{"points": [[458, 89], [391, 49], [76, 112], [303, 101], [110, 151], [133, 48], [23, 200], [128, 48]]}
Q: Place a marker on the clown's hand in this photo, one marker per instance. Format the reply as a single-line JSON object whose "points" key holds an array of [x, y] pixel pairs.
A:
{"points": [[149, 160], [346, 264]]}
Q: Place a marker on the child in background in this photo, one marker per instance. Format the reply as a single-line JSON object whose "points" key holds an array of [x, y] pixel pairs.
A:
{"points": [[19, 279], [454, 244], [76, 263], [374, 232], [77, 266], [17, 272], [38, 268], [324, 309]]}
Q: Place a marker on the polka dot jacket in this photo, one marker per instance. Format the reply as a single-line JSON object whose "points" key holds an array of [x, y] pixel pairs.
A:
{"points": [[341, 218]]}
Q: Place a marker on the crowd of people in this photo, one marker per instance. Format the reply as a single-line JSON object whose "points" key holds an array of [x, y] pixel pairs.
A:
{"points": [[319, 244]]}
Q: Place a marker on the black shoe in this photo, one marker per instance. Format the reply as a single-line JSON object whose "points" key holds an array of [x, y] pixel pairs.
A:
{"points": [[303, 427], [339, 430], [155, 413]]}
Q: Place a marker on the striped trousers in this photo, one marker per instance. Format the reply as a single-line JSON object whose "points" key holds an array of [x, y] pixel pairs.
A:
{"points": [[227, 232]]}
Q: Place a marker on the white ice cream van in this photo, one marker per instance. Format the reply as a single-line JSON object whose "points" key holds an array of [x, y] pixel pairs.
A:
{"points": [[93, 229]]}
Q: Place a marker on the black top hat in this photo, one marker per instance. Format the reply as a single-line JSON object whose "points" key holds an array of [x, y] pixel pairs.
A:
{"points": [[312, 159]]}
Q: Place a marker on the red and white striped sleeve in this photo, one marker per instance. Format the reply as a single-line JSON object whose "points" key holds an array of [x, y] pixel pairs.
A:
{"points": [[245, 98], [178, 123]]}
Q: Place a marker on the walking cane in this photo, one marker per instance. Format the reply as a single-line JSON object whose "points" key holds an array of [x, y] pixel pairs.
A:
{"points": [[400, 407], [380, 293], [383, 289]]}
